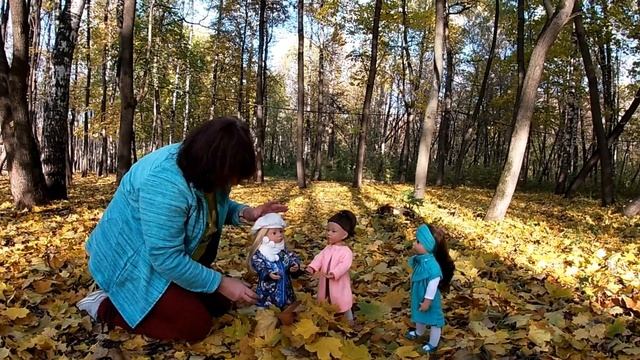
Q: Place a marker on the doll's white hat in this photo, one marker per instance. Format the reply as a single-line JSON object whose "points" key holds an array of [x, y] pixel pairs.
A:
{"points": [[268, 221]]}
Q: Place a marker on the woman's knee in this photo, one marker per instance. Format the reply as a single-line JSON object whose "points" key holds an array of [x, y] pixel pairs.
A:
{"points": [[195, 327]]}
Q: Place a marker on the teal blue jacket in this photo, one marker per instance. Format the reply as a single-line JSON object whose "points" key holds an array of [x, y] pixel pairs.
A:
{"points": [[148, 233]]}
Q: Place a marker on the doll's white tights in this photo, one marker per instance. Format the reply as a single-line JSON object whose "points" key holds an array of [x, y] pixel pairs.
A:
{"points": [[434, 333]]}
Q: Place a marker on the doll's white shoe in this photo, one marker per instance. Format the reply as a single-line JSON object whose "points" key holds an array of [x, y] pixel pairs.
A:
{"points": [[412, 335], [428, 348], [91, 303]]}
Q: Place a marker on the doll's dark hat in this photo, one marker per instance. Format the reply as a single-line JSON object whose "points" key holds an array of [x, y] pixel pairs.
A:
{"points": [[346, 219]]}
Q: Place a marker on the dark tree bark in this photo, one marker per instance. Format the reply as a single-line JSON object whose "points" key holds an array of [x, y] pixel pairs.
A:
{"points": [[568, 135], [242, 47], [431, 113], [259, 109], [470, 133], [127, 106], [443, 132], [606, 168], [302, 183], [55, 137], [87, 96], [22, 155], [366, 107], [595, 156], [509, 179], [102, 168], [317, 167]]}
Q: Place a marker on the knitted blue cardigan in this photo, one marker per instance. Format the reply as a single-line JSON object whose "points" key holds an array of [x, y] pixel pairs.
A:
{"points": [[147, 234]]}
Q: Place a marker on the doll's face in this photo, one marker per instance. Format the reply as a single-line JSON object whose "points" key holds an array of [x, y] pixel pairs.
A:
{"points": [[417, 247], [275, 235], [335, 233]]}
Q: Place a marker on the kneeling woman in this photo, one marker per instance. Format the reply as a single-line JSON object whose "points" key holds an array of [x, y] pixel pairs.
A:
{"points": [[150, 253]]}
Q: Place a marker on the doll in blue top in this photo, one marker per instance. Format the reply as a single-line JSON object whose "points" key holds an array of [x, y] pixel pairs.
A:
{"points": [[430, 262], [274, 264]]}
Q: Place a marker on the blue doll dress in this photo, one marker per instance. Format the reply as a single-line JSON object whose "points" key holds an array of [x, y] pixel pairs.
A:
{"points": [[425, 268], [275, 292]]}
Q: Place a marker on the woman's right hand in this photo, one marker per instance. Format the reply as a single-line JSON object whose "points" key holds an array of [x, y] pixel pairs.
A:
{"points": [[237, 290]]}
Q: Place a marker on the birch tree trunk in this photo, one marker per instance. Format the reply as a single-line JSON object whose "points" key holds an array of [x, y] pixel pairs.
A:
{"points": [[55, 139], [302, 183], [632, 208], [443, 132]]}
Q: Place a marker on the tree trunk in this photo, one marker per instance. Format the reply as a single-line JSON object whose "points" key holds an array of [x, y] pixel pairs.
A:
{"points": [[431, 113], [103, 167], [34, 40], [302, 183], [443, 132], [242, 47], [509, 179], [606, 169], [571, 118], [127, 106], [317, 167], [23, 157], [85, 143], [55, 137], [632, 208], [595, 155], [520, 59], [470, 133], [174, 103], [366, 107], [187, 93], [259, 110], [216, 60]]}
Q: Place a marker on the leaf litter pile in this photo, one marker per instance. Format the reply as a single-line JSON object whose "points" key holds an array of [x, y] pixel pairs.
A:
{"points": [[557, 279]]}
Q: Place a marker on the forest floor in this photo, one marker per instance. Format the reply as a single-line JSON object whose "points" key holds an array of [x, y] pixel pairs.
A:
{"points": [[557, 279]]}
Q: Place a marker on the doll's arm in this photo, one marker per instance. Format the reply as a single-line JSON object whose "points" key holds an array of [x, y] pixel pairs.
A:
{"points": [[294, 264], [343, 265], [432, 287], [263, 267], [316, 263]]}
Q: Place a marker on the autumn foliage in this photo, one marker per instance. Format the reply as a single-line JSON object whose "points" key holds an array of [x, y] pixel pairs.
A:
{"points": [[558, 279]]}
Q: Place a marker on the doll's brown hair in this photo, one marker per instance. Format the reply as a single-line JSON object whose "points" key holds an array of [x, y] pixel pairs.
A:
{"points": [[441, 253]]}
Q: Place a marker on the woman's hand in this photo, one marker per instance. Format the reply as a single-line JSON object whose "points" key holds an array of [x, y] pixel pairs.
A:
{"points": [[237, 290], [252, 214], [274, 276], [426, 304]]}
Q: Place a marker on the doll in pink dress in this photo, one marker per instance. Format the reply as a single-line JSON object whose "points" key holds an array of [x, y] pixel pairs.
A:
{"points": [[331, 265]]}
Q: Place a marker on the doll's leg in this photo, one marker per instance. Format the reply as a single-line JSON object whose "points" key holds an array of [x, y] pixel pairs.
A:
{"points": [[434, 336], [417, 333], [349, 316]]}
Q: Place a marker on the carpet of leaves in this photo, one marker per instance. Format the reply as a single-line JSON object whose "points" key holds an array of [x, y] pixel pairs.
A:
{"points": [[558, 279]]}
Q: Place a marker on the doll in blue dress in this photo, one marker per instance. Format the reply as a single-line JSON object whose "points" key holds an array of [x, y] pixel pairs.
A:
{"points": [[431, 261], [274, 264]]}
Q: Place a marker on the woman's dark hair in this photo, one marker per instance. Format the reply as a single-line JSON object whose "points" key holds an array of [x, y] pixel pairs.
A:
{"points": [[216, 153], [443, 258]]}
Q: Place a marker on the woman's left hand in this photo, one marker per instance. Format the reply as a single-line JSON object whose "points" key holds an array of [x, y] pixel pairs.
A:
{"points": [[252, 214]]}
